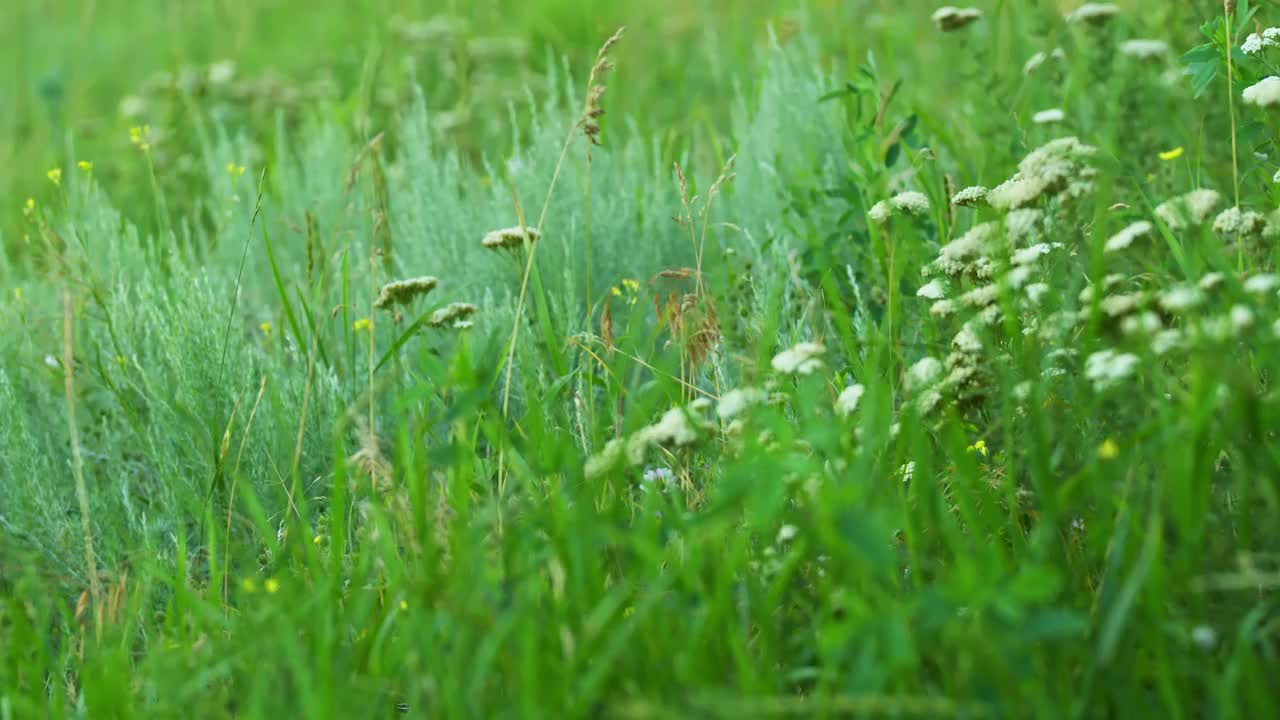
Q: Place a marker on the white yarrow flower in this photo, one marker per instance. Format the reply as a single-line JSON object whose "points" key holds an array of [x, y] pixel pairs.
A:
{"points": [[1264, 93], [970, 196], [925, 372], [950, 18], [1049, 117], [1093, 13], [735, 401], [880, 212], [913, 203], [1192, 208], [803, 359], [847, 403], [1035, 61], [1125, 237], [1107, 368], [1144, 49], [1262, 283], [1181, 298], [933, 290]]}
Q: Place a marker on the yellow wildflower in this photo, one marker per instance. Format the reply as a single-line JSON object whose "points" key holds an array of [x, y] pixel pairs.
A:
{"points": [[615, 291], [362, 324], [404, 605], [1108, 450], [265, 328], [1173, 154], [980, 446], [317, 539], [628, 612], [141, 136], [272, 585], [55, 176], [631, 285], [248, 585], [17, 294], [85, 165], [235, 170], [29, 207]]}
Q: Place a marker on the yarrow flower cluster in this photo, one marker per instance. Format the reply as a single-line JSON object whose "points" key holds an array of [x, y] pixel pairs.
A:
{"points": [[1264, 93], [679, 427], [909, 203], [1257, 42], [1127, 236], [509, 238], [453, 315], [950, 18], [1093, 13], [970, 197], [803, 359], [1049, 117], [1144, 49], [403, 292], [1192, 208], [1058, 168], [1035, 61]]}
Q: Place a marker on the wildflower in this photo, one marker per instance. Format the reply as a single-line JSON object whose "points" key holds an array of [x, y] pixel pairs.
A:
{"points": [[132, 106], [317, 539], [1144, 49], [272, 585], [1257, 42], [508, 238], [787, 533], [1054, 168], [735, 401], [967, 341], [950, 18], [1146, 323], [29, 208], [1181, 298], [1264, 93], [1172, 154], [1262, 283], [265, 327], [880, 212], [1204, 636], [235, 170], [1048, 117], [970, 196], [451, 315], [141, 136], [803, 359], [912, 203], [1093, 13], [1036, 291], [960, 255], [942, 308], [221, 73], [933, 290], [1241, 318], [1028, 255], [248, 585], [1165, 341], [979, 447], [1125, 237], [1122, 304], [981, 296], [1107, 368], [1108, 450], [1235, 223], [1211, 281], [362, 324], [924, 372], [403, 606], [848, 400], [1035, 61], [85, 165], [55, 176], [17, 294], [1192, 208], [403, 292]]}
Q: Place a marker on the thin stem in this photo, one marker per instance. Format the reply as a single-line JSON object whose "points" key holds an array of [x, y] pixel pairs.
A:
{"points": [[77, 461]]}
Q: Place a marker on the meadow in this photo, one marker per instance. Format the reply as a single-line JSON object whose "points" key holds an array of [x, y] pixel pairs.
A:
{"points": [[657, 359]]}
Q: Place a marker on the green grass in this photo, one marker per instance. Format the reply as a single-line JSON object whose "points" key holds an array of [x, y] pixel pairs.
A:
{"points": [[303, 505]]}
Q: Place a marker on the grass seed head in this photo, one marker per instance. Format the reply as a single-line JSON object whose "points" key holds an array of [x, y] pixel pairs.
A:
{"points": [[509, 238]]}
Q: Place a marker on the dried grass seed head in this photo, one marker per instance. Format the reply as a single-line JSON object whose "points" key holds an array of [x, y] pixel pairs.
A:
{"points": [[452, 315]]}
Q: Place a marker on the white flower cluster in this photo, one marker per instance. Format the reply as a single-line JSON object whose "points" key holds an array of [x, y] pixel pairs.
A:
{"points": [[677, 428], [1108, 368], [909, 203], [1093, 13], [1035, 61], [950, 18], [1190, 209], [976, 195], [1257, 42], [1049, 117], [1058, 168], [1127, 236], [1236, 224], [1264, 93], [847, 402], [803, 359], [1144, 49]]}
